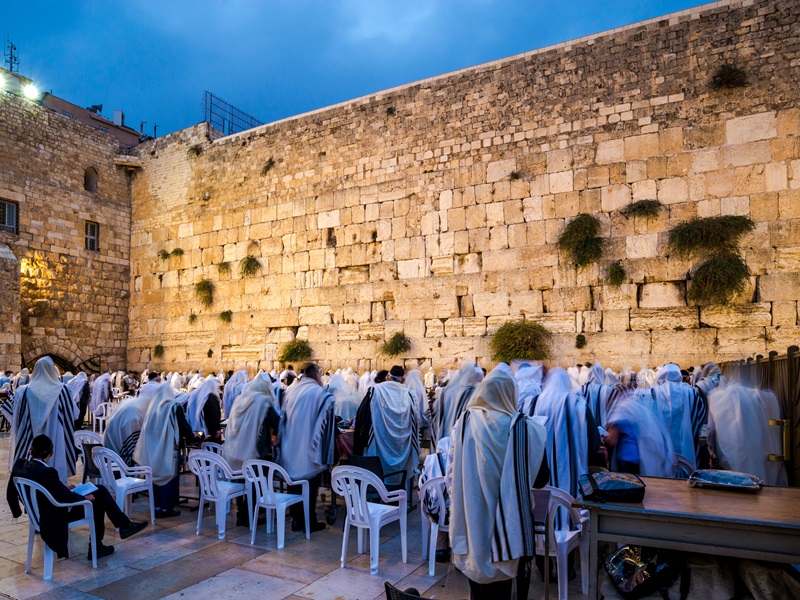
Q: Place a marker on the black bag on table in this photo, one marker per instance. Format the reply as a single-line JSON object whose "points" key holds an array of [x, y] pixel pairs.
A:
{"points": [[612, 487], [637, 571]]}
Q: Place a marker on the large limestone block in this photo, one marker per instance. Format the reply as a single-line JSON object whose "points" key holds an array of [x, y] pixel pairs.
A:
{"points": [[662, 295], [409, 269], [474, 326], [561, 322], [615, 197], [636, 343], [358, 312], [314, 315], [491, 304], [371, 331], [495, 323], [610, 297], [761, 126], [641, 146], [742, 341], [500, 169], [610, 151], [784, 313], [673, 343], [434, 328], [454, 327], [286, 317], [568, 299], [616, 319], [757, 314], [642, 246], [780, 338], [644, 319], [779, 286], [526, 303]]}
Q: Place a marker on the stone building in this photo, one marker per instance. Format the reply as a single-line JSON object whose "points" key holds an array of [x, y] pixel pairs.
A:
{"points": [[434, 209]]}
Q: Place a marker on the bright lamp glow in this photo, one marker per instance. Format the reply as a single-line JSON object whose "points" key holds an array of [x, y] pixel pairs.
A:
{"points": [[30, 91]]}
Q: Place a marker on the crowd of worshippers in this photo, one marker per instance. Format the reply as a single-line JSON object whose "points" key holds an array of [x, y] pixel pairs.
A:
{"points": [[493, 436]]}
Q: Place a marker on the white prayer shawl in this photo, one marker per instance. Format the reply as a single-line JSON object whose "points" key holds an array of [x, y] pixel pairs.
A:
{"points": [[739, 432], [430, 378], [417, 389], [680, 408], [709, 377], [567, 438], [158, 442], [196, 381], [454, 399], [529, 382], [124, 427], [66, 377], [646, 379], [306, 429], [364, 383], [44, 406], [656, 456], [244, 423], [197, 402], [394, 436], [436, 466], [116, 380], [583, 376], [21, 378], [221, 377], [232, 389], [176, 382], [347, 401], [496, 453], [574, 372], [76, 385], [144, 379], [101, 392], [611, 378], [598, 395]]}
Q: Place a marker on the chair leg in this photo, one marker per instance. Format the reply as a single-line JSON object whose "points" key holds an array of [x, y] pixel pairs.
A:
{"points": [[253, 521], [426, 532], [221, 514], [93, 542], [200, 513], [49, 555], [404, 533], [345, 539], [280, 510], [270, 520], [434, 535], [307, 515], [584, 553], [31, 537], [561, 565], [152, 504], [362, 538], [375, 546]]}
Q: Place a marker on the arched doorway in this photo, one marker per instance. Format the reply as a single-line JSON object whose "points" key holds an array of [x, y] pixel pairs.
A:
{"points": [[62, 363]]}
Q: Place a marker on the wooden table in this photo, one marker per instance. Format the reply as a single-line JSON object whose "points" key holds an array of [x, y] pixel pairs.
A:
{"points": [[760, 526]]}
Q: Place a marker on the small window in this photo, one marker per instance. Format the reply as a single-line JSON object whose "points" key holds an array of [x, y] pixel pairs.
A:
{"points": [[9, 216], [66, 114], [90, 180], [92, 236]]}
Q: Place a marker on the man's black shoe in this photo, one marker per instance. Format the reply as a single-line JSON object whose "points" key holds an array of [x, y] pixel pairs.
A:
{"points": [[132, 529], [167, 514], [443, 556], [102, 551]]}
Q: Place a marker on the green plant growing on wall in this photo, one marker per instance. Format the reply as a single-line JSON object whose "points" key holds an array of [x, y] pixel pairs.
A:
{"points": [[249, 266], [647, 209], [204, 291], [192, 318], [158, 351], [267, 166], [581, 241], [521, 339], [296, 351], [727, 77], [616, 275], [398, 344], [195, 150], [514, 175], [226, 316], [719, 279], [177, 252], [210, 353], [223, 267], [163, 254], [580, 341]]}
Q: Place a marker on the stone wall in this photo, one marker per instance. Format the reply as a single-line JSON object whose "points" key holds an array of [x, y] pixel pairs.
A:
{"points": [[434, 208], [71, 302], [10, 331]]}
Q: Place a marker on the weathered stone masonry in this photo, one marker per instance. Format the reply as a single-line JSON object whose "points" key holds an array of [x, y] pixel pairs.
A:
{"points": [[57, 297], [434, 208]]}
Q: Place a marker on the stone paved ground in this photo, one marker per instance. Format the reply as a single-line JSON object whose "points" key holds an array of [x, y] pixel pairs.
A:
{"points": [[169, 560]]}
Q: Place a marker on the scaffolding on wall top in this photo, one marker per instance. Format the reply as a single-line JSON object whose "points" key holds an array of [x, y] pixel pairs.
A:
{"points": [[224, 117]]}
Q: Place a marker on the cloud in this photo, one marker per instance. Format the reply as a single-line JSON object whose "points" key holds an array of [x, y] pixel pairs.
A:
{"points": [[389, 22]]}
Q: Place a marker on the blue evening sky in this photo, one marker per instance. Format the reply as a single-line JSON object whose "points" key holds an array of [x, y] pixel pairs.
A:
{"points": [[277, 58]]}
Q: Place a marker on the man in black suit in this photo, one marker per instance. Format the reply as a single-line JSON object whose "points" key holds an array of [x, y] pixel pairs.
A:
{"points": [[54, 521]]}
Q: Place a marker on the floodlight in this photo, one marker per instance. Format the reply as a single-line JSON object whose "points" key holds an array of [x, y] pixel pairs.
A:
{"points": [[30, 91]]}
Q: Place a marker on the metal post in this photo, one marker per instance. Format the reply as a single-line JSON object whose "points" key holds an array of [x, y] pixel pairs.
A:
{"points": [[792, 415]]}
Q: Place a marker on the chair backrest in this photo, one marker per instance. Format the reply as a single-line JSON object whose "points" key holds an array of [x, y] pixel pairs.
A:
{"points": [[434, 487], [370, 463], [90, 437], [561, 499], [209, 468], [29, 493], [107, 461], [352, 483], [392, 593], [212, 447], [261, 474], [89, 466]]}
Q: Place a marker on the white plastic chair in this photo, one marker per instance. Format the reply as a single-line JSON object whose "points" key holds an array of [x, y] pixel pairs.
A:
{"points": [[564, 541], [352, 483], [214, 473], [85, 437], [102, 414], [260, 476], [212, 447], [431, 527], [29, 493], [130, 481]]}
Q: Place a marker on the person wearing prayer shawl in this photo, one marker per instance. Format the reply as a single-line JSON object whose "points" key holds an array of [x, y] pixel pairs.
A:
{"points": [[233, 388], [430, 378], [498, 455], [599, 396], [101, 392], [306, 439], [574, 371], [387, 425], [739, 435], [640, 443], [253, 420], [417, 390], [454, 398], [20, 379], [529, 383], [80, 390], [175, 382], [708, 378], [163, 430], [203, 410], [679, 407], [124, 427], [431, 505], [44, 406], [347, 400]]}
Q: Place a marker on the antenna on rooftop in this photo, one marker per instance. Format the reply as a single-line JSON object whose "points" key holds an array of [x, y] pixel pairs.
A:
{"points": [[141, 126], [12, 58]]}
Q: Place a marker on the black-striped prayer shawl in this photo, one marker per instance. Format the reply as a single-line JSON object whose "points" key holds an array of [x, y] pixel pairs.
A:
{"points": [[128, 447], [25, 435]]}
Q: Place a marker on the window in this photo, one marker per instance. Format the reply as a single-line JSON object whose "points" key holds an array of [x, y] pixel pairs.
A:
{"points": [[9, 216], [92, 236], [66, 114], [90, 179]]}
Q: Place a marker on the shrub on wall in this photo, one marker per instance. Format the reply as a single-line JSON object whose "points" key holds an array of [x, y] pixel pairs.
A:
{"points": [[296, 351], [524, 340], [268, 166], [699, 236], [204, 291], [192, 318], [398, 344], [163, 254], [176, 252], [719, 279], [648, 209], [158, 351], [226, 316], [616, 275], [223, 267], [249, 266], [580, 341], [580, 240], [727, 77]]}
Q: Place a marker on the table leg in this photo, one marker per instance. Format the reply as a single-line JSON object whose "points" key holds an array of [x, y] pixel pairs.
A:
{"points": [[593, 550]]}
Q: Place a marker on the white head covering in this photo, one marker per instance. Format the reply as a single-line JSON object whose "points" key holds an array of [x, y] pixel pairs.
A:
{"points": [[529, 381], [417, 389], [597, 394], [430, 378], [100, 391], [21, 378], [232, 389], [395, 427], [454, 398], [124, 427], [43, 392], [76, 385], [175, 382], [159, 437], [246, 417], [197, 402], [347, 401]]}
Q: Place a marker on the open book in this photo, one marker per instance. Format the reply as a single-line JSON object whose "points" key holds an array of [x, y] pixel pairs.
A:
{"points": [[85, 489]]}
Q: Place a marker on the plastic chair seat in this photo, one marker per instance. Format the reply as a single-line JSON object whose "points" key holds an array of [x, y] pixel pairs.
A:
{"points": [[214, 475], [123, 487]]}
